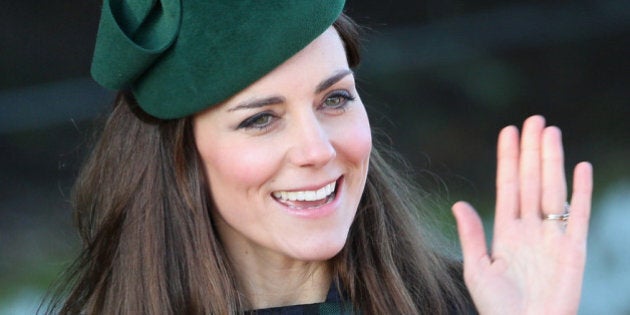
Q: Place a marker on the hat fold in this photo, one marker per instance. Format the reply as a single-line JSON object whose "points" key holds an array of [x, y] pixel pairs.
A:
{"points": [[132, 36]]}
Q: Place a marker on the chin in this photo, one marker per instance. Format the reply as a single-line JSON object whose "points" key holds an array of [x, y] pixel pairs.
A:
{"points": [[323, 250]]}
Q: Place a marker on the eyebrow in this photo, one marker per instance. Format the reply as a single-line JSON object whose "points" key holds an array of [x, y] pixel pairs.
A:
{"points": [[257, 103], [332, 80]]}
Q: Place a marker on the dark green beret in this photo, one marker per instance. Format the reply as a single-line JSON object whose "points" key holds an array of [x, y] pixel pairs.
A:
{"points": [[181, 56]]}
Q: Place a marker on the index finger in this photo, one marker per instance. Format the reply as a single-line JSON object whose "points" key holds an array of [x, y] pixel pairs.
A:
{"points": [[507, 182]]}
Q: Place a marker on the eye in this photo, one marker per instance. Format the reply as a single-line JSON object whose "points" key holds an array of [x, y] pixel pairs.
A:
{"points": [[337, 100], [259, 121]]}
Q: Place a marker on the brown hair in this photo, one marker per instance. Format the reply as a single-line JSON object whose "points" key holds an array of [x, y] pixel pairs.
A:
{"points": [[142, 205]]}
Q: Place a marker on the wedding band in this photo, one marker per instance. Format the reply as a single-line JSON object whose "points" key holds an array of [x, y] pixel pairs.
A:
{"points": [[560, 217]]}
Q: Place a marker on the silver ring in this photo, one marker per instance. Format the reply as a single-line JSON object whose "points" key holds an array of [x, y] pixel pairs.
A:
{"points": [[560, 217]]}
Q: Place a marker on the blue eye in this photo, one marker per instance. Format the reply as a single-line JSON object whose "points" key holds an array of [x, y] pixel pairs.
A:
{"points": [[258, 121]]}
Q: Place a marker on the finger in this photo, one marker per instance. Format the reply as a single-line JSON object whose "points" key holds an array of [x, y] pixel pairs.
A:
{"points": [[581, 201], [507, 177], [471, 236], [530, 176], [554, 186]]}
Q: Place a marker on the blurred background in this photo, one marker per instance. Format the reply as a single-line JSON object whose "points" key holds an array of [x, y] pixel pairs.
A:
{"points": [[440, 78]]}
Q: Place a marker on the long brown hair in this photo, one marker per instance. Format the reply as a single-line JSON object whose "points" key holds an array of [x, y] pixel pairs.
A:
{"points": [[142, 206]]}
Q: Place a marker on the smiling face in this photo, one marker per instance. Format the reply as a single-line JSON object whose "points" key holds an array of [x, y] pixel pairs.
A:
{"points": [[287, 158]]}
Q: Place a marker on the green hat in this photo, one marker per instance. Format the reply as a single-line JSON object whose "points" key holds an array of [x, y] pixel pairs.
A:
{"points": [[181, 56]]}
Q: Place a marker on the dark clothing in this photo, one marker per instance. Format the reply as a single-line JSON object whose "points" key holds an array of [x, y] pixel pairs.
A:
{"points": [[332, 306]]}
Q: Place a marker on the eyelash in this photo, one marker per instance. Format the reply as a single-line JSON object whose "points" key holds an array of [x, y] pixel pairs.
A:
{"points": [[250, 123], [269, 116], [345, 98]]}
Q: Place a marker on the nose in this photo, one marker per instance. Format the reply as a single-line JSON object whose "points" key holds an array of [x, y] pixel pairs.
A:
{"points": [[310, 145]]}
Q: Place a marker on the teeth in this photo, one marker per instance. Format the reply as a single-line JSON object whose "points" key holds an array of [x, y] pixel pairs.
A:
{"points": [[308, 195]]}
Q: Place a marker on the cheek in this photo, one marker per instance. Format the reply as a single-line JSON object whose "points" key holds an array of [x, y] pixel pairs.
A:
{"points": [[355, 139], [236, 177], [242, 167], [361, 145]]}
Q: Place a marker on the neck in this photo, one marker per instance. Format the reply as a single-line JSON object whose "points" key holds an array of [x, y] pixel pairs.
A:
{"points": [[271, 281], [270, 278]]}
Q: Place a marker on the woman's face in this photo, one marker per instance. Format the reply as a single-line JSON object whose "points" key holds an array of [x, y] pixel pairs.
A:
{"points": [[287, 158]]}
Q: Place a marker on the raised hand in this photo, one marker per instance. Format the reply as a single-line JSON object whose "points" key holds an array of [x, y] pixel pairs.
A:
{"points": [[535, 265]]}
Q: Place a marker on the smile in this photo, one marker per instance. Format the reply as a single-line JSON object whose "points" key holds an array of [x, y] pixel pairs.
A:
{"points": [[306, 195]]}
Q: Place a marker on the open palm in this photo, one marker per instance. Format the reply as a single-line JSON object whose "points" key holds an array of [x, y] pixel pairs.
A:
{"points": [[535, 265]]}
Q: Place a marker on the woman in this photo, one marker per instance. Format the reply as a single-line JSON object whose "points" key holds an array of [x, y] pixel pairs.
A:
{"points": [[239, 176]]}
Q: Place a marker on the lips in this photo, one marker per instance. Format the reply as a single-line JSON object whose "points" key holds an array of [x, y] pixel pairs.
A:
{"points": [[304, 199]]}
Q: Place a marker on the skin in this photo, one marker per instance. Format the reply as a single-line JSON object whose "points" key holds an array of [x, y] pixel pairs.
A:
{"points": [[294, 129], [535, 266]]}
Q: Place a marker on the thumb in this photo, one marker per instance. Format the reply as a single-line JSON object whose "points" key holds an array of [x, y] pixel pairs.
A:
{"points": [[471, 236]]}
